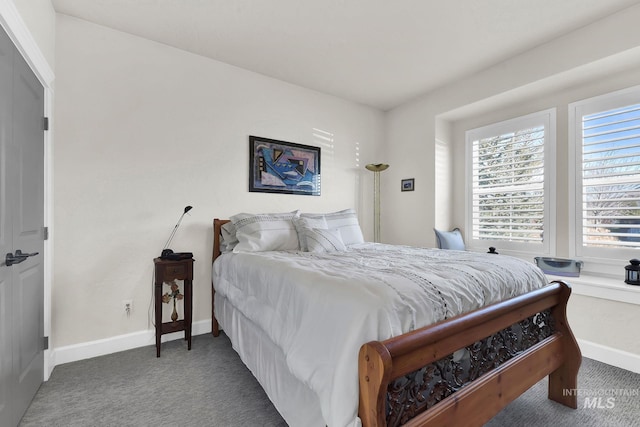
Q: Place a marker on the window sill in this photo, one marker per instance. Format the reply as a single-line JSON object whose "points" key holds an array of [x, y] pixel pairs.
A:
{"points": [[602, 287]]}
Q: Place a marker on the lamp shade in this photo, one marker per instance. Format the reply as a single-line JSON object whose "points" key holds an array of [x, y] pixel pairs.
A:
{"points": [[377, 167]]}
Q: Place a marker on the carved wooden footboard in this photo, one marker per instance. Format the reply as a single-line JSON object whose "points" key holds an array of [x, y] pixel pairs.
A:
{"points": [[464, 370]]}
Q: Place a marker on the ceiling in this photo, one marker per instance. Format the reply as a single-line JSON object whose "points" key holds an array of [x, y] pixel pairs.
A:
{"points": [[380, 53]]}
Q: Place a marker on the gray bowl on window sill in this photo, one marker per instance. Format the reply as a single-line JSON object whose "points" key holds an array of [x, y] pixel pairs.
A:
{"points": [[559, 266]]}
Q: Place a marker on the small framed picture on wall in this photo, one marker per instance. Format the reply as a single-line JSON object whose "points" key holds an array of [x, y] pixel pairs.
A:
{"points": [[407, 184]]}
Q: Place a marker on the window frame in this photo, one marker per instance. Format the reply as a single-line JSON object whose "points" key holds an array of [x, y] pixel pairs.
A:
{"points": [[597, 260], [547, 118]]}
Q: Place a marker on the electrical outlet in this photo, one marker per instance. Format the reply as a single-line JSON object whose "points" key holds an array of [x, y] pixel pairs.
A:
{"points": [[127, 304]]}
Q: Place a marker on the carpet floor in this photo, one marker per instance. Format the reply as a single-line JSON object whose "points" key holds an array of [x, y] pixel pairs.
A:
{"points": [[209, 386]]}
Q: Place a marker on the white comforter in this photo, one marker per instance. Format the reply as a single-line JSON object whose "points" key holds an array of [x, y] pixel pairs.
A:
{"points": [[320, 308]]}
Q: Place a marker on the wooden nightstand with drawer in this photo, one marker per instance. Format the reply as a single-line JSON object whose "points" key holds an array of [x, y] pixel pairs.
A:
{"points": [[166, 271]]}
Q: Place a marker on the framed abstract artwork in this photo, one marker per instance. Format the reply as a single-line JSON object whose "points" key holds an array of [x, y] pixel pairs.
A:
{"points": [[407, 184], [283, 167]]}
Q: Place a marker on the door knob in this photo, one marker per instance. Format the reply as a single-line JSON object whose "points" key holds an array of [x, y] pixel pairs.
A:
{"points": [[11, 259]]}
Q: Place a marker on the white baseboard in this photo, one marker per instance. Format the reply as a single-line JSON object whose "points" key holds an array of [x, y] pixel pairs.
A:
{"points": [[72, 353], [610, 356]]}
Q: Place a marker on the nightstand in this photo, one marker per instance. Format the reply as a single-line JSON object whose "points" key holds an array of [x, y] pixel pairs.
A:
{"points": [[167, 270]]}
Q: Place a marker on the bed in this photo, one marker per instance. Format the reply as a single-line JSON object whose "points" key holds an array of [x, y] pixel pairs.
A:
{"points": [[343, 338]]}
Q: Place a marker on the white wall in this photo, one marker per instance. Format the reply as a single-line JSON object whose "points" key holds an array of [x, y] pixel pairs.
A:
{"points": [[443, 165], [409, 217], [142, 130], [604, 322]]}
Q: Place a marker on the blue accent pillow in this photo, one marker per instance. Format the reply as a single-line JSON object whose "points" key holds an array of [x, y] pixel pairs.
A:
{"points": [[450, 239]]}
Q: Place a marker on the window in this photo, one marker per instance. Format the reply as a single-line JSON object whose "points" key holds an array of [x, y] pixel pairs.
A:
{"points": [[509, 197], [606, 157]]}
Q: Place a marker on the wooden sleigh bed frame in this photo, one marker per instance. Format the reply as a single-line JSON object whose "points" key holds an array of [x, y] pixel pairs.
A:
{"points": [[415, 379]]}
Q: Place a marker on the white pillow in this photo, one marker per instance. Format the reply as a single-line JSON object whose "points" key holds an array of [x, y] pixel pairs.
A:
{"points": [[228, 239], [346, 221], [303, 224], [323, 240], [265, 232]]}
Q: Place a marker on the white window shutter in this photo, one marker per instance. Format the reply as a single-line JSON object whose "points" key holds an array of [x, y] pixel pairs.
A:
{"points": [[610, 172]]}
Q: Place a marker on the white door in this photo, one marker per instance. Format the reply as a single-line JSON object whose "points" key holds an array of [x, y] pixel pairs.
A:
{"points": [[21, 229]]}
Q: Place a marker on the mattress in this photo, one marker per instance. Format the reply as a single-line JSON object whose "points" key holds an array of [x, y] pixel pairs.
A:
{"points": [[297, 404], [317, 309]]}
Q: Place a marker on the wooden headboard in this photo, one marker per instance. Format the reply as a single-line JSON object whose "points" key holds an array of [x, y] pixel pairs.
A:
{"points": [[217, 226], [217, 230]]}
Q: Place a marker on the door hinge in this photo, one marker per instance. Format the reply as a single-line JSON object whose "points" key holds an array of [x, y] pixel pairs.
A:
{"points": [[45, 343], [46, 123], [46, 233]]}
